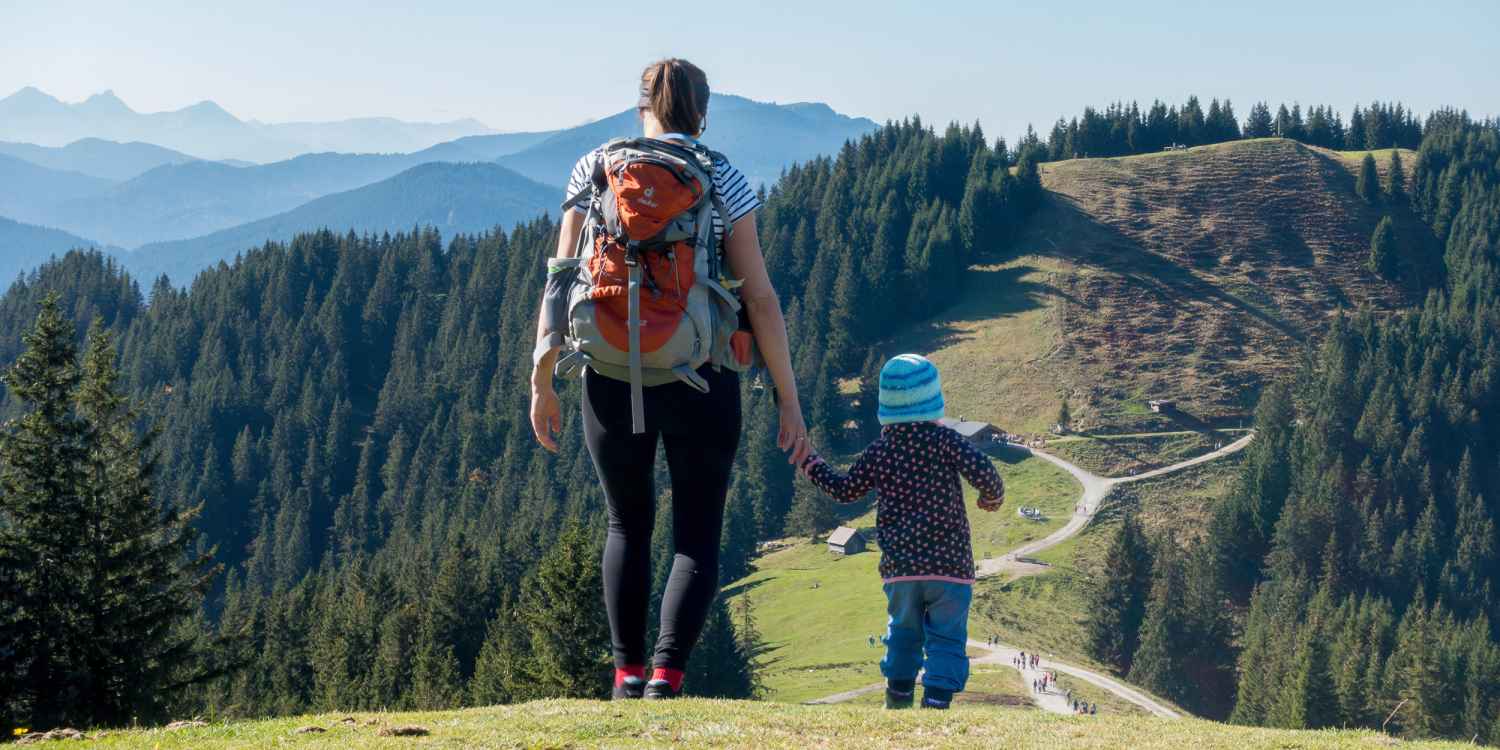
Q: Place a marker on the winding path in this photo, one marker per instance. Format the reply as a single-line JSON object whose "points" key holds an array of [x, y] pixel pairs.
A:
{"points": [[1095, 489]]}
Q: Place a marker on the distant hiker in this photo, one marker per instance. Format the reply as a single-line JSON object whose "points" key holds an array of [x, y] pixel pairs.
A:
{"points": [[926, 562], [872, 641], [666, 206], [1093, 708]]}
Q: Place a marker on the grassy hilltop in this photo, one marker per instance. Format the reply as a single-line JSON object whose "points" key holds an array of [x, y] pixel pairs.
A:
{"points": [[1192, 275], [701, 723]]}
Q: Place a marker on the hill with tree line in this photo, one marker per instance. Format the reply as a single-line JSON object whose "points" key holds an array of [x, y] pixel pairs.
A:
{"points": [[351, 410], [347, 497], [1358, 554]]}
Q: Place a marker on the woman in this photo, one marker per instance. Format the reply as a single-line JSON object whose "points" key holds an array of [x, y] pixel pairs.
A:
{"points": [[700, 431]]}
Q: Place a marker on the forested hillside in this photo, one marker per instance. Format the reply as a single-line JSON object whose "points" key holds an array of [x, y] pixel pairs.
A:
{"points": [[352, 413], [1358, 556]]}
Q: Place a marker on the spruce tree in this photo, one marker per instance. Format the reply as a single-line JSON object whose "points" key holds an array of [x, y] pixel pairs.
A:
{"points": [[1117, 603], [1367, 184], [561, 610], [1158, 662], [42, 526], [720, 667], [811, 514], [1308, 701], [1395, 180], [145, 577], [1383, 258]]}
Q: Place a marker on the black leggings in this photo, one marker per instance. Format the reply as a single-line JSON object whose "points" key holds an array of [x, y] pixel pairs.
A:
{"points": [[701, 432]]}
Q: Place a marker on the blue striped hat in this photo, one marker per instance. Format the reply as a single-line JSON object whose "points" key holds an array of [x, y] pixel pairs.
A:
{"points": [[910, 390]]}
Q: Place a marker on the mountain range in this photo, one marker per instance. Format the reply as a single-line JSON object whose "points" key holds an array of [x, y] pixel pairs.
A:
{"points": [[207, 131], [196, 211], [452, 198]]}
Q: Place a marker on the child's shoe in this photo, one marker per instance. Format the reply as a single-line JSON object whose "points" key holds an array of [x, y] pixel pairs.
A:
{"points": [[937, 698], [899, 693]]}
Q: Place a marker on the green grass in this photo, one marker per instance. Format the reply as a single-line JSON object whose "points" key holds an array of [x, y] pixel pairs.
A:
{"points": [[703, 723], [995, 343], [1028, 481], [1117, 456], [816, 610], [989, 685]]}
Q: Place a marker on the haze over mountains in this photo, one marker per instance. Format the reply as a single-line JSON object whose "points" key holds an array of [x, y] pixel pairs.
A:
{"points": [[184, 212], [207, 131]]}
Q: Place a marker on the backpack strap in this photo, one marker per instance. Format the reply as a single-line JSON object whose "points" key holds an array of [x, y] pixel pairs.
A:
{"points": [[637, 395]]}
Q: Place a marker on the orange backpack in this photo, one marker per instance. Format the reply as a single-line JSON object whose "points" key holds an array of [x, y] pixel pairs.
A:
{"points": [[645, 300]]}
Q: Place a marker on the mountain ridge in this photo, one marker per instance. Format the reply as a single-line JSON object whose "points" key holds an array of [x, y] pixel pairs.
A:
{"points": [[208, 130], [454, 198]]}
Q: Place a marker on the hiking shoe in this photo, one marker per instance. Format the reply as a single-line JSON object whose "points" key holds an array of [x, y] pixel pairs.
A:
{"points": [[657, 690], [899, 693], [629, 689], [937, 698]]}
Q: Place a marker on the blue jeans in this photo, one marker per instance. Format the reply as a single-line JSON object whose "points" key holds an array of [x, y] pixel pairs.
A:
{"points": [[930, 616]]}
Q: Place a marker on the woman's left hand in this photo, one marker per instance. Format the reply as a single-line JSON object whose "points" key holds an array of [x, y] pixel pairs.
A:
{"points": [[793, 435]]}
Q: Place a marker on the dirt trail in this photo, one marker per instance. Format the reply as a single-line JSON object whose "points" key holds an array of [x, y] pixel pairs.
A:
{"points": [[1095, 489]]}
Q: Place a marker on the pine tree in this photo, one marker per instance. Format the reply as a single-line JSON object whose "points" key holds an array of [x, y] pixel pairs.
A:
{"points": [[561, 611], [144, 578], [1064, 414], [1117, 604], [1259, 124], [811, 514], [41, 460], [1367, 185], [1157, 665], [1395, 181], [720, 667], [1383, 259], [1308, 701]]}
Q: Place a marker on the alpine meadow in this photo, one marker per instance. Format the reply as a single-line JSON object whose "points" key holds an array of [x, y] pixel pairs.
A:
{"points": [[271, 475]]}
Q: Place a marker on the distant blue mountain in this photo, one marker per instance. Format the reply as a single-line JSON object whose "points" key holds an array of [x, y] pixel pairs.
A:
{"points": [[483, 147], [25, 246], [28, 191], [188, 200], [454, 198], [759, 138], [97, 157], [206, 130]]}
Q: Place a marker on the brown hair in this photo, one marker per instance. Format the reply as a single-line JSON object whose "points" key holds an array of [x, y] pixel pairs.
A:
{"points": [[676, 92]]}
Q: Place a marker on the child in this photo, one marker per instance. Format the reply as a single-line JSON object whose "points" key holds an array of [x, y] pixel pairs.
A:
{"points": [[926, 562]]}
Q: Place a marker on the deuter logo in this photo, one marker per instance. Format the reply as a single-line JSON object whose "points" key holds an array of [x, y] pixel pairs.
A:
{"points": [[646, 197]]}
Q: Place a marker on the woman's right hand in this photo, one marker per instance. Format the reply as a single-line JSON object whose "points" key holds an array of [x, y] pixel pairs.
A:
{"points": [[546, 414]]}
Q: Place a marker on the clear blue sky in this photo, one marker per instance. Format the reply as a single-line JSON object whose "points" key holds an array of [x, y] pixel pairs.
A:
{"points": [[522, 66]]}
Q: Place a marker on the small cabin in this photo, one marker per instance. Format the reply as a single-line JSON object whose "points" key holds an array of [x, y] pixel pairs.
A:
{"points": [[978, 433], [846, 541], [1161, 405]]}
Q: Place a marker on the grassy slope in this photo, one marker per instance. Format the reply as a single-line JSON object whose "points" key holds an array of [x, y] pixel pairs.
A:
{"points": [[700, 723], [817, 639], [1191, 274], [1047, 612], [1118, 455]]}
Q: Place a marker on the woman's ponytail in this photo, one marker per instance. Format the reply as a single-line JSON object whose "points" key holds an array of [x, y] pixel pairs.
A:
{"points": [[676, 92]]}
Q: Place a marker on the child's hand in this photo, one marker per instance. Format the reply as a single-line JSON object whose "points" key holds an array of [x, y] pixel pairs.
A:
{"points": [[990, 505], [805, 469]]}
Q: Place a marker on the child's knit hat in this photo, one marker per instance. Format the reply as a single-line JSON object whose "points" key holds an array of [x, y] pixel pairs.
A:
{"points": [[910, 390]]}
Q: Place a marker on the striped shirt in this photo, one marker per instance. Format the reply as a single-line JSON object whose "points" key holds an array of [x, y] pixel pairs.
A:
{"points": [[733, 189]]}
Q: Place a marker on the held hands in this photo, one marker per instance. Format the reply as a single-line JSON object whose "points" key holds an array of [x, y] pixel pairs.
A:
{"points": [[990, 505]]}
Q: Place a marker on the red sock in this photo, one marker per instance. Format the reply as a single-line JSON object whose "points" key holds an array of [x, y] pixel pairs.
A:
{"points": [[672, 676], [637, 671]]}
